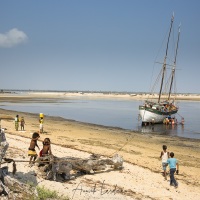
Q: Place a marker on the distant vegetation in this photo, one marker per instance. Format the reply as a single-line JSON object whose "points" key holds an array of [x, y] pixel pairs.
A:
{"points": [[84, 92]]}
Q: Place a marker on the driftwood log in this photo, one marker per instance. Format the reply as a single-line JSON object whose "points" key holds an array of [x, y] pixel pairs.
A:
{"points": [[51, 167], [10, 188]]}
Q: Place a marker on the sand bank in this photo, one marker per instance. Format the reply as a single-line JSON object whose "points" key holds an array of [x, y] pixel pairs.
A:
{"points": [[92, 95], [141, 177]]}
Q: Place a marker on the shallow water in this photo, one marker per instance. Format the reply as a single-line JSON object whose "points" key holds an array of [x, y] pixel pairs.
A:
{"points": [[115, 113]]}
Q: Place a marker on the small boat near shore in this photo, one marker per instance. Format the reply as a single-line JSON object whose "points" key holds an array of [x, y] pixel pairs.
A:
{"points": [[156, 110]]}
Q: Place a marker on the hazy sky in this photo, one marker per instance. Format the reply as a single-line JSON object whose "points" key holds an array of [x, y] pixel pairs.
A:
{"points": [[101, 45]]}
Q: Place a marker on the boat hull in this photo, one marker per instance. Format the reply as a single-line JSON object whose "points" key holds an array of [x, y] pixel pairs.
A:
{"points": [[150, 115]]}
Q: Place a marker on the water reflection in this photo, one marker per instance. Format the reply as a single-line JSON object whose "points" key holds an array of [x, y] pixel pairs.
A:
{"points": [[170, 130]]}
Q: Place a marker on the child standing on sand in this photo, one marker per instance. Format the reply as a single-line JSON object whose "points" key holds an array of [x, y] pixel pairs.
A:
{"points": [[31, 150], [41, 121], [164, 155], [22, 122], [172, 165], [16, 122]]}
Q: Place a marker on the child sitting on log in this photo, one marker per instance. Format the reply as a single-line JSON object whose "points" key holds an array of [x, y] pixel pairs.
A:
{"points": [[44, 153], [46, 150]]}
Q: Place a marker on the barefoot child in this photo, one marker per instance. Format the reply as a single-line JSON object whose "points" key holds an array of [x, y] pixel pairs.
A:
{"points": [[172, 165], [41, 121], [16, 122], [164, 155], [22, 122], [31, 150], [46, 148]]}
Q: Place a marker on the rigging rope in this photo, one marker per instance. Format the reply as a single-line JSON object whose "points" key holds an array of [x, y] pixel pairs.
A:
{"points": [[179, 115], [127, 141]]}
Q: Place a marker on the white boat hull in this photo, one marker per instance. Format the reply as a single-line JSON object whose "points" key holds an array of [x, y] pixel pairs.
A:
{"points": [[151, 116]]}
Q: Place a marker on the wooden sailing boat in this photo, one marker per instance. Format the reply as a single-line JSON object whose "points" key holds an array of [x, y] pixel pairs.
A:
{"points": [[157, 111]]}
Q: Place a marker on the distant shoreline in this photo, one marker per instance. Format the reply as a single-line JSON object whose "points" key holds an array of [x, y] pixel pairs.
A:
{"points": [[92, 95]]}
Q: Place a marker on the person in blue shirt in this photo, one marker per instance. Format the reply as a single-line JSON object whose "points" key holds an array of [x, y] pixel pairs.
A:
{"points": [[173, 163]]}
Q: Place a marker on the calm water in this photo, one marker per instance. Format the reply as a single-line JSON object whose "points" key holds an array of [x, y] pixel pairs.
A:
{"points": [[115, 113]]}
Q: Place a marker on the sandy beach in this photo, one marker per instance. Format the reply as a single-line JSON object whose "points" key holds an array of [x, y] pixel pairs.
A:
{"points": [[141, 177]]}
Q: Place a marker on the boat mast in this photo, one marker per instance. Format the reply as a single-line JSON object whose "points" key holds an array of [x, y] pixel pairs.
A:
{"points": [[164, 64], [173, 69]]}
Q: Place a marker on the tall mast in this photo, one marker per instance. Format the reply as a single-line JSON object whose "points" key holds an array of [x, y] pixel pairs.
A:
{"points": [[164, 63], [173, 69]]}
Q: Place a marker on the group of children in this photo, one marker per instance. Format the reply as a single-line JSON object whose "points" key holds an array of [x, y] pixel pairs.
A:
{"points": [[172, 121], [168, 159], [46, 150], [21, 121]]}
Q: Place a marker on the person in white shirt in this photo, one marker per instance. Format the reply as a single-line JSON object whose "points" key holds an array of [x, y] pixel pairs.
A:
{"points": [[164, 155]]}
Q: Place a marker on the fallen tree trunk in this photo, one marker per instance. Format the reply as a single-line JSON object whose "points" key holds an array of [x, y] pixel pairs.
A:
{"points": [[52, 166]]}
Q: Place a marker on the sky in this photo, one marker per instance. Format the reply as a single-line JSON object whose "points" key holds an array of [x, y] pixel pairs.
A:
{"points": [[95, 45]]}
